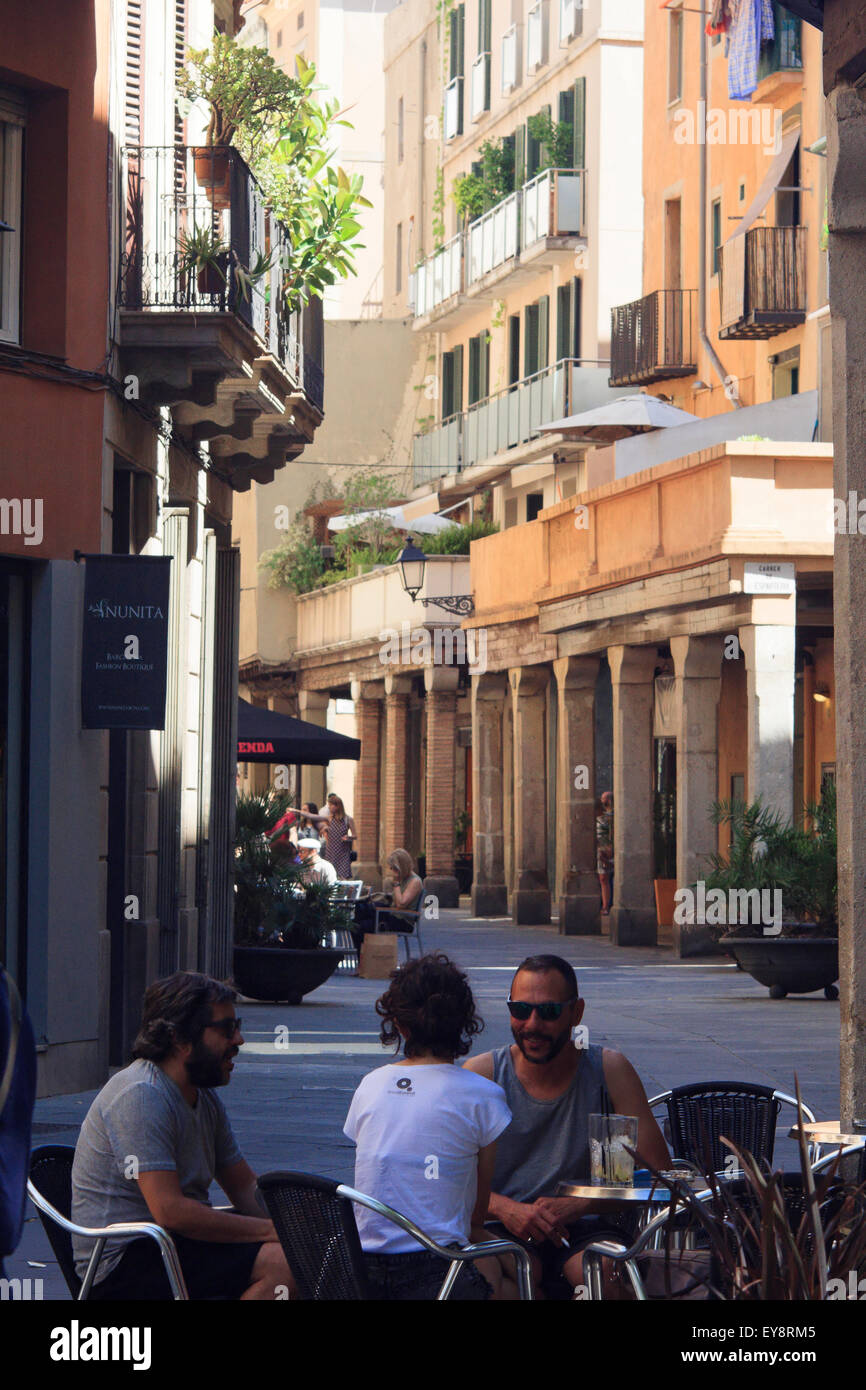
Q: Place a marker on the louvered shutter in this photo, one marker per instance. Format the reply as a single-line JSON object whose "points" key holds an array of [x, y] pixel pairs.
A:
{"points": [[580, 123], [134, 71], [543, 321]]}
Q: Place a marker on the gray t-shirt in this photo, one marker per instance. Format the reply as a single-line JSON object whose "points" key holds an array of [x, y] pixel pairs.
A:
{"points": [[141, 1123]]}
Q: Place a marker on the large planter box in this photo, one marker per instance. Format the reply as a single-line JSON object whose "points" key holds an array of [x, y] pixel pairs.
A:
{"points": [[280, 974], [788, 964]]}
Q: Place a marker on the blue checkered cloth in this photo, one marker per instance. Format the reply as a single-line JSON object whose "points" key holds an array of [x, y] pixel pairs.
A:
{"points": [[751, 27]]}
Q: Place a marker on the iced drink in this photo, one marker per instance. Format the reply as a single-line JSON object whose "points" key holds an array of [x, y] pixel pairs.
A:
{"points": [[610, 1139]]}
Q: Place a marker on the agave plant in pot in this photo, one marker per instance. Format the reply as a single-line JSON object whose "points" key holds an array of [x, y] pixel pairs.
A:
{"points": [[281, 921], [786, 880]]}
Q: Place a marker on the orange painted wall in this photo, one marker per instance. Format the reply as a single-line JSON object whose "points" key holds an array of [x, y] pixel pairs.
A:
{"points": [[51, 439]]}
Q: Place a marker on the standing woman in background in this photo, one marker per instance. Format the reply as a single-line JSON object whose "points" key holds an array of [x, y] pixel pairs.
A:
{"points": [[339, 832]]}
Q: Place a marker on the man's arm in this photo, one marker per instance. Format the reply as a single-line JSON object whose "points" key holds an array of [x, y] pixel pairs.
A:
{"points": [[169, 1208], [629, 1098], [239, 1183]]}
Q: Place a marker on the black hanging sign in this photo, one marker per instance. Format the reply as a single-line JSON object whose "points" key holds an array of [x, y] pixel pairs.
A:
{"points": [[124, 650]]}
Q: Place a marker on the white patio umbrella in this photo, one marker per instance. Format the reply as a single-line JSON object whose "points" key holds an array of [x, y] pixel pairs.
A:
{"points": [[626, 416], [423, 525]]}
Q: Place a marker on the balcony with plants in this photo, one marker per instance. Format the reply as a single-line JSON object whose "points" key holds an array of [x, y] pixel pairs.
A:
{"points": [[509, 230], [227, 247]]}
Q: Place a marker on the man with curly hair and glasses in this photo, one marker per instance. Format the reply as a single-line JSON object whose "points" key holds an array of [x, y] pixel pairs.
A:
{"points": [[552, 1086], [153, 1141]]}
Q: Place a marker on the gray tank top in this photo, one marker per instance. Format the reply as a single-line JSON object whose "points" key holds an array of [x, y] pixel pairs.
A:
{"points": [[547, 1140]]}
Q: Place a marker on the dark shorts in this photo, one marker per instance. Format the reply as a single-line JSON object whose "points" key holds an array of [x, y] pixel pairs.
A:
{"points": [[211, 1270], [420, 1276], [581, 1233]]}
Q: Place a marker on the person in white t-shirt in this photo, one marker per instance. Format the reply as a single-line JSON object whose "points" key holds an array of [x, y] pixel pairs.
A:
{"points": [[425, 1132]]}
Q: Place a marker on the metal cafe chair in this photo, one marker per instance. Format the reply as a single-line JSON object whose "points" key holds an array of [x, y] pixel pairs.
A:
{"points": [[699, 1114], [315, 1221], [50, 1190], [411, 917], [346, 892]]}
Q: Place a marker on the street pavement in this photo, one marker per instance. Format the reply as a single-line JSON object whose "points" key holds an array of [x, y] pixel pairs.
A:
{"points": [[677, 1021]]}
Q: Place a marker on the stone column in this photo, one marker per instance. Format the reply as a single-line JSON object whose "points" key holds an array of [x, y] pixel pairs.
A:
{"points": [[396, 791], [846, 150], [368, 698], [530, 906], [489, 893], [576, 877], [440, 684], [768, 650], [313, 706], [633, 912], [698, 669]]}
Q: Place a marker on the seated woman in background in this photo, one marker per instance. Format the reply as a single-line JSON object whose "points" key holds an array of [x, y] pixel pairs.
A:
{"points": [[405, 895], [425, 1133]]}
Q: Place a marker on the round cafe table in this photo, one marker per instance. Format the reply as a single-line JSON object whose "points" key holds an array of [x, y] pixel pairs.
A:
{"points": [[654, 1196]]}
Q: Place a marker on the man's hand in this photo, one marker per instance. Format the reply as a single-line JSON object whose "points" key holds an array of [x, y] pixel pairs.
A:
{"points": [[531, 1221]]}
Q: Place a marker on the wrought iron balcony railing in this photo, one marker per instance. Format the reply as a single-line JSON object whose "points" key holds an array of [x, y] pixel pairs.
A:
{"points": [[197, 229], [653, 338]]}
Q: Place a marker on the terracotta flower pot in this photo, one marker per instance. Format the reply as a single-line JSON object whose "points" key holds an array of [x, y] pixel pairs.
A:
{"points": [[213, 172]]}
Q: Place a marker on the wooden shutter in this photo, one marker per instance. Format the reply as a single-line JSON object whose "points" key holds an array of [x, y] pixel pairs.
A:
{"points": [[179, 58], [134, 72], [484, 367], [447, 385], [530, 339], [563, 322], [458, 379], [543, 322], [474, 369], [458, 36], [519, 156], [513, 349], [579, 123], [576, 316]]}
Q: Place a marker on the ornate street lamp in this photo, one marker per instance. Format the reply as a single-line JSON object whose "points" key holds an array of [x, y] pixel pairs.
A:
{"points": [[413, 563]]}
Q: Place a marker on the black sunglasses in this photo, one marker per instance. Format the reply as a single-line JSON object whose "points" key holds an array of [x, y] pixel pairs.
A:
{"points": [[547, 1012], [227, 1026]]}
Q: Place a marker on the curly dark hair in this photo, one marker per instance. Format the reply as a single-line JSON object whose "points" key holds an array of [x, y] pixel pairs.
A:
{"points": [[431, 999], [176, 1010]]}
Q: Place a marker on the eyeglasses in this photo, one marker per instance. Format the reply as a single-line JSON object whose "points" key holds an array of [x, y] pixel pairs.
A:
{"points": [[547, 1012], [227, 1026]]}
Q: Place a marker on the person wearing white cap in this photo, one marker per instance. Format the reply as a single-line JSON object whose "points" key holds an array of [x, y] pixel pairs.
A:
{"points": [[315, 870]]}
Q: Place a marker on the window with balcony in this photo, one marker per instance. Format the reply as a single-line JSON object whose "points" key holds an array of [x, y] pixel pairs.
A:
{"points": [[785, 53], [452, 382], [535, 336], [456, 69], [536, 36], [510, 60], [479, 368], [481, 67], [11, 167], [675, 56]]}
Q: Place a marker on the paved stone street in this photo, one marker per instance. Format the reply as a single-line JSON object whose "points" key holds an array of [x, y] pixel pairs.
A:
{"points": [[676, 1020]]}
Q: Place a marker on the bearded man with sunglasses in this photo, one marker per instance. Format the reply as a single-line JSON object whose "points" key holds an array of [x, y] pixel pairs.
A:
{"points": [[552, 1087], [153, 1141]]}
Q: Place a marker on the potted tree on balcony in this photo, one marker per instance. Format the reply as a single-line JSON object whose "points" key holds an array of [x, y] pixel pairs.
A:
{"points": [[795, 950], [248, 97], [281, 922]]}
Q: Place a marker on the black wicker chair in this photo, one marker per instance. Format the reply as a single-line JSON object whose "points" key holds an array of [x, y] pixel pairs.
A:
{"points": [[50, 1190], [315, 1221], [701, 1114]]}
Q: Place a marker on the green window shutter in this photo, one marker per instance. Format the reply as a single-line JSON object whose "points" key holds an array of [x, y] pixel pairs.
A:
{"points": [[447, 384], [530, 339], [458, 33], [458, 379], [461, 39], [520, 156], [513, 348], [566, 108], [484, 8], [576, 307], [579, 125], [563, 322], [532, 155], [484, 367], [474, 371], [543, 320]]}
